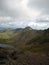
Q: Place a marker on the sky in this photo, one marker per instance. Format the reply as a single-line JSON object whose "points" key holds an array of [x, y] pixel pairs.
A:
{"points": [[23, 13]]}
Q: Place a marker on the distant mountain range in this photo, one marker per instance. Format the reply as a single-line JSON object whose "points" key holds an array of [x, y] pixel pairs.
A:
{"points": [[4, 28], [7, 28]]}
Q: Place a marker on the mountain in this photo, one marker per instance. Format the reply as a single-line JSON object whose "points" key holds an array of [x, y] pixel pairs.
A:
{"points": [[5, 28], [29, 47], [25, 35], [35, 40], [28, 28], [27, 38]]}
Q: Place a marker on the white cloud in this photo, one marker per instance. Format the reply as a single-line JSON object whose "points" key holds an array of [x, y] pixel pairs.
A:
{"points": [[38, 25], [5, 18], [21, 13], [19, 9]]}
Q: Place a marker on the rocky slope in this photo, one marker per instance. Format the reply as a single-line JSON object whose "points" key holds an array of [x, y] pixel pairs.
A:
{"points": [[18, 57]]}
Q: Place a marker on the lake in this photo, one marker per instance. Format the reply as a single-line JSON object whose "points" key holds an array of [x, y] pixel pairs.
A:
{"points": [[6, 46]]}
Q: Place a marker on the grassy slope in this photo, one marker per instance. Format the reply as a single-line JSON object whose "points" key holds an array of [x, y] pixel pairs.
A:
{"points": [[9, 33], [37, 41], [6, 34]]}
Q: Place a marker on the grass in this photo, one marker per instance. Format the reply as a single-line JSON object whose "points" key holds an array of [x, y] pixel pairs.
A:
{"points": [[39, 43], [6, 34]]}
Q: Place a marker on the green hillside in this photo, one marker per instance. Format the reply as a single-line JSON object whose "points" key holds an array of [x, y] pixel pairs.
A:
{"points": [[27, 39]]}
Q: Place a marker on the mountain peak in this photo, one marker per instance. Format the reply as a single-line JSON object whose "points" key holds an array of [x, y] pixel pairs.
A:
{"points": [[28, 28]]}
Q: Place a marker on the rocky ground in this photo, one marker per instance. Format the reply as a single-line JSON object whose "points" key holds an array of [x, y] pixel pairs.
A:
{"points": [[18, 57]]}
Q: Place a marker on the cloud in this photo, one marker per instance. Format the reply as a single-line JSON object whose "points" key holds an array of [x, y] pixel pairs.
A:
{"points": [[38, 25], [42, 5], [17, 9], [5, 18], [21, 13]]}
